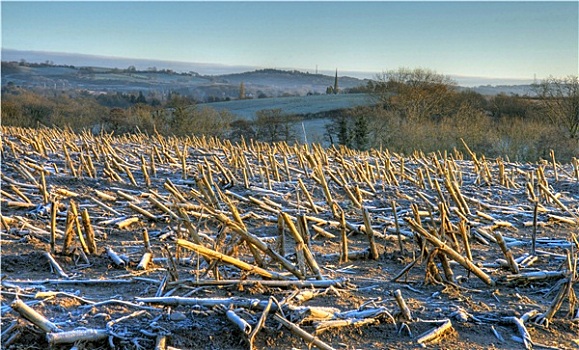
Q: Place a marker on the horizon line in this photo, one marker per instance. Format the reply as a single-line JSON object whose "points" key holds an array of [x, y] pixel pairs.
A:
{"points": [[215, 66]]}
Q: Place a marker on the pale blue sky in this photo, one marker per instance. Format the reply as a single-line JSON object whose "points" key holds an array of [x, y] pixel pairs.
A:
{"points": [[486, 39]]}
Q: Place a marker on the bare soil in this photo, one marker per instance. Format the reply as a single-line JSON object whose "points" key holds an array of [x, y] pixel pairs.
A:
{"points": [[480, 313]]}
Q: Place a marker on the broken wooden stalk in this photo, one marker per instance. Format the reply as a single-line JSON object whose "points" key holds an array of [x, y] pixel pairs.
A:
{"points": [[435, 333], [126, 222], [115, 257], [467, 264], [308, 338], [53, 212], [89, 232], [77, 335], [237, 302], [323, 326], [79, 234], [308, 196], [259, 244], [68, 232], [506, 251], [145, 260], [301, 244], [397, 225], [463, 228], [238, 322], [55, 265], [322, 181], [370, 234], [556, 200], [534, 239], [344, 238], [405, 311], [210, 253], [43, 187], [33, 316], [142, 211], [163, 207]]}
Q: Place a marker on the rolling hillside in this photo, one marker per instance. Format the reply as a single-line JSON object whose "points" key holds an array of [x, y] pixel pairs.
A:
{"points": [[301, 105], [267, 82], [295, 82], [312, 128]]}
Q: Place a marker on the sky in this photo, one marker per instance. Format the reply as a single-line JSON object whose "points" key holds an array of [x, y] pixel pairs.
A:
{"points": [[519, 40]]}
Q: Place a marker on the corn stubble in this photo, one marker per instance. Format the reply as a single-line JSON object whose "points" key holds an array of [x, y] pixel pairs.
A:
{"points": [[280, 217]]}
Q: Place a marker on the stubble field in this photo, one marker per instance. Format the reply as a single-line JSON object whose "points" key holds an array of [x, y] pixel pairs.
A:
{"points": [[149, 242]]}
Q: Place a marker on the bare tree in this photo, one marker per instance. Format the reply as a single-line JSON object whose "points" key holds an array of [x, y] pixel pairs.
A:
{"points": [[560, 100], [415, 93], [273, 125]]}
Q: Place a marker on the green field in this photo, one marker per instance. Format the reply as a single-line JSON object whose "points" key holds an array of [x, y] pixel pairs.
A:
{"points": [[301, 105]]}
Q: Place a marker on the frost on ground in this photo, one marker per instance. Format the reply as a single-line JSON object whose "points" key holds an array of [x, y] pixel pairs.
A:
{"points": [[142, 242]]}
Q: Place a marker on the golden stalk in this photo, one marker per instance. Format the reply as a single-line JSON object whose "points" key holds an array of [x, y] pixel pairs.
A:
{"points": [[397, 224], [370, 233], [287, 170], [558, 202], [344, 238], [467, 264], [210, 253], [274, 167], [78, 229], [435, 333], [89, 232], [152, 163], [53, 212], [68, 232], [174, 191], [130, 175], [127, 196], [463, 228], [144, 171], [43, 188], [301, 245], [326, 189], [163, 207], [127, 222], [506, 251], [552, 154], [68, 160], [259, 244], [20, 193], [308, 196]]}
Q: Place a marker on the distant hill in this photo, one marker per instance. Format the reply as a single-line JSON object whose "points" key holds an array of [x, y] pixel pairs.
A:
{"points": [[205, 79], [299, 83], [259, 83], [491, 90], [82, 60]]}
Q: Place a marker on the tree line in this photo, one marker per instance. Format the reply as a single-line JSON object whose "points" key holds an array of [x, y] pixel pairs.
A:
{"points": [[419, 109], [414, 109], [122, 113]]}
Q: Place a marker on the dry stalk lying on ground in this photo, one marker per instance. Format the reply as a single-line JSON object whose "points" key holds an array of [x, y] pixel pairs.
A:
{"points": [[260, 236]]}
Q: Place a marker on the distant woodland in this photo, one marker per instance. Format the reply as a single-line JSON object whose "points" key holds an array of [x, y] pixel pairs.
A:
{"points": [[414, 110]]}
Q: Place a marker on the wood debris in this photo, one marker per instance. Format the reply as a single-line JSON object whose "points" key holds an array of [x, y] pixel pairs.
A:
{"points": [[148, 240]]}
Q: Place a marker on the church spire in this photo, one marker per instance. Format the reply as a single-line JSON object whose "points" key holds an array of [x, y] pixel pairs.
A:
{"points": [[336, 82]]}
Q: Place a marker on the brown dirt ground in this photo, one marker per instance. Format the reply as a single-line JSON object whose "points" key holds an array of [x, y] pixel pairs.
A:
{"points": [[368, 283]]}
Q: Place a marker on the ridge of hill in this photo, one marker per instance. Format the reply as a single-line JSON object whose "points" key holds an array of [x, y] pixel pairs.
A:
{"points": [[295, 79], [258, 83], [214, 83]]}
